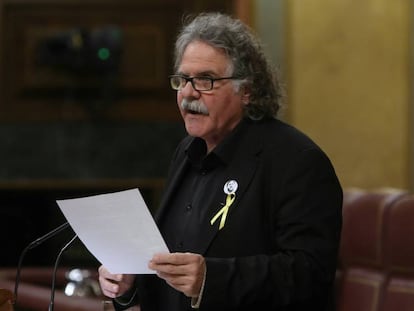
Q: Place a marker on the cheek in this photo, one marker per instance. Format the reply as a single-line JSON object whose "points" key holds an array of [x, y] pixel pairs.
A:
{"points": [[179, 98], [229, 107]]}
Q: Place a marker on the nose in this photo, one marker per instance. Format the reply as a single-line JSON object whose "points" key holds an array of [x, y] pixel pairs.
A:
{"points": [[189, 91]]}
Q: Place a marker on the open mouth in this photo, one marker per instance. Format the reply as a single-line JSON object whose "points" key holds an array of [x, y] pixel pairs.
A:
{"points": [[190, 111], [196, 112]]}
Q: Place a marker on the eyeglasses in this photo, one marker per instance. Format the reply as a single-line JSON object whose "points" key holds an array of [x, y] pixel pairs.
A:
{"points": [[178, 82]]}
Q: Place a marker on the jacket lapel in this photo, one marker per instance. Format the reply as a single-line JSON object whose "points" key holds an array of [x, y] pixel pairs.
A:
{"points": [[240, 168], [241, 171], [172, 184]]}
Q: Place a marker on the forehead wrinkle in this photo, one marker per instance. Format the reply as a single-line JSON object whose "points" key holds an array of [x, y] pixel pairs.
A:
{"points": [[202, 73], [206, 73], [200, 58]]}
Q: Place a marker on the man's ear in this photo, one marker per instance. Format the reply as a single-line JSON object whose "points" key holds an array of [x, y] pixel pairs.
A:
{"points": [[245, 94]]}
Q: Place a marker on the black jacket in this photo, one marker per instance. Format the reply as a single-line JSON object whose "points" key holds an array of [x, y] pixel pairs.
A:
{"points": [[278, 248]]}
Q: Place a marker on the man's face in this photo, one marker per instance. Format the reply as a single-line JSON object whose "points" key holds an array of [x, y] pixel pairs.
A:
{"points": [[223, 104]]}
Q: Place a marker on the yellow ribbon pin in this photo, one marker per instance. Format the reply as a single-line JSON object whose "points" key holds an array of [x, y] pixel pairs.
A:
{"points": [[223, 211]]}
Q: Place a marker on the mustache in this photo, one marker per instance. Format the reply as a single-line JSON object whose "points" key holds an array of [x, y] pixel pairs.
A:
{"points": [[195, 106]]}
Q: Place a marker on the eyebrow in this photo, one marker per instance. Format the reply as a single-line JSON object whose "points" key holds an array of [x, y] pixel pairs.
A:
{"points": [[207, 73]]}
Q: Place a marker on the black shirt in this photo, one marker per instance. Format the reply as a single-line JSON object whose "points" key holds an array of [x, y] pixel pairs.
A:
{"points": [[187, 209]]}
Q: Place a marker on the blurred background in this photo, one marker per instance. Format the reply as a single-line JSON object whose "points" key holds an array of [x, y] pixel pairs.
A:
{"points": [[85, 105]]}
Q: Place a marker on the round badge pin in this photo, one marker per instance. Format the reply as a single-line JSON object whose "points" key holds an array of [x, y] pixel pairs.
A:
{"points": [[230, 187]]}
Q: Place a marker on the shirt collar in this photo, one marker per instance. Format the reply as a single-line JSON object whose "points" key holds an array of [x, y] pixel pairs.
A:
{"points": [[221, 154]]}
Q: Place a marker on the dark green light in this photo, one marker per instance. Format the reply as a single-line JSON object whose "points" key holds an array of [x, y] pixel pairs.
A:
{"points": [[104, 54]]}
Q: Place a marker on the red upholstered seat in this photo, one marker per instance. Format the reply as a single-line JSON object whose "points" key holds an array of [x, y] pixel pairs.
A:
{"points": [[350, 195], [361, 251], [399, 257]]}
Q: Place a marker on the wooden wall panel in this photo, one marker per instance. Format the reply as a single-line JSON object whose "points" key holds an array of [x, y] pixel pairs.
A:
{"points": [[349, 85], [60, 135], [147, 36], [143, 62], [32, 91]]}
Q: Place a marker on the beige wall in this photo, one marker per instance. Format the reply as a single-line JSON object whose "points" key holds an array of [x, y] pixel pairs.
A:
{"points": [[348, 82]]}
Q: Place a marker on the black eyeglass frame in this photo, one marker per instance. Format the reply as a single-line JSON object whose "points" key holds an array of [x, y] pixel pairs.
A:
{"points": [[191, 80]]}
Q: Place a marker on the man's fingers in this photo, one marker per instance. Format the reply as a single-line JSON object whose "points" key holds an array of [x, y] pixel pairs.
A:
{"points": [[114, 285], [176, 259], [109, 288], [173, 259], [182, 271], [103, 272], [171, 269]]}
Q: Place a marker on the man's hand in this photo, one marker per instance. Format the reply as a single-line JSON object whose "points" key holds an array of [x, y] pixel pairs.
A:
{"points": [[114, 285], [182, 271]]}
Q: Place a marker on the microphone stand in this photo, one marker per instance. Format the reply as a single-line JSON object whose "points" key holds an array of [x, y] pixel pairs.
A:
{"points": [[32, 245], [52, 292]]}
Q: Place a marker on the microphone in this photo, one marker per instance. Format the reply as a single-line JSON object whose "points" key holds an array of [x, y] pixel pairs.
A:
{"points": [[32, 245], [52, 290]]}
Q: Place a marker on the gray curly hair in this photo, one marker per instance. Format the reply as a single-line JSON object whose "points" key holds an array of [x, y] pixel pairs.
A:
{"points": [[246, 54]]}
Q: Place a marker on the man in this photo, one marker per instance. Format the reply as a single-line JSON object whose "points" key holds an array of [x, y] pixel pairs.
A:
{"points": [[252, 207]]}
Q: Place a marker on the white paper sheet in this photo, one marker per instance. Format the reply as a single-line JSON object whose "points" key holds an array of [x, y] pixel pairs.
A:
{"points": [[117, 228]]}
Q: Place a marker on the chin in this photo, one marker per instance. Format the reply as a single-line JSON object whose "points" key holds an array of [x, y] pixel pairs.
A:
{"points": [[194, 130]]}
